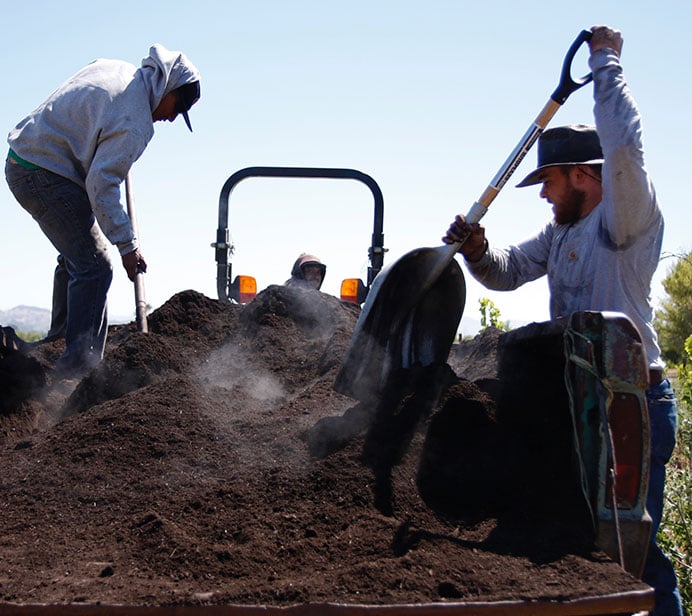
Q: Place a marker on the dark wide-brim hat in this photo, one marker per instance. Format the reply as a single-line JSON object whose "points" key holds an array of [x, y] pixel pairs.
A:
{"points": [[577, 144]]}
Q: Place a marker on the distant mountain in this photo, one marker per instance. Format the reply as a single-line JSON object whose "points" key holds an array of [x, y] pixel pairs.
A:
{"points": [[26, 319]]}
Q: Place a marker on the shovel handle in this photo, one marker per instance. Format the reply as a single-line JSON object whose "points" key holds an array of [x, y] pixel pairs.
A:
{"points": [[566, 86], [140, 301]]}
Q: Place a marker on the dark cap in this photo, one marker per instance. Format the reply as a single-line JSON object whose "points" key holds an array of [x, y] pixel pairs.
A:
{"points": [[187, 96], [577, 144]]}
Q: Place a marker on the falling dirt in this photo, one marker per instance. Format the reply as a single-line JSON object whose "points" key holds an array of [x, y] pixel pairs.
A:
{"points": [[210, 462]]}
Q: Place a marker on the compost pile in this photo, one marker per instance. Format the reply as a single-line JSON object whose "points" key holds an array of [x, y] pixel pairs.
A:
{"points": [[210, 462]]}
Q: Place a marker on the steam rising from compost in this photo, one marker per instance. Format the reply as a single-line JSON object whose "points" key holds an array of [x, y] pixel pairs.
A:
{"points": [[230, 368]]}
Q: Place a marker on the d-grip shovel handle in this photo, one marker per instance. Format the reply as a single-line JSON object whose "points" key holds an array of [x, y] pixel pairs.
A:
{"points": [[566, 86]]}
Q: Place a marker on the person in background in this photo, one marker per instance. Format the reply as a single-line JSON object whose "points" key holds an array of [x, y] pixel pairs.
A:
{"points": [[66, 162], [307, 272], [599, 252]]}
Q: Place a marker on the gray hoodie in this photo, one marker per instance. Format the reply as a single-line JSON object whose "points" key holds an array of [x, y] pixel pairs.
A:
{"points": [[97, 124]]}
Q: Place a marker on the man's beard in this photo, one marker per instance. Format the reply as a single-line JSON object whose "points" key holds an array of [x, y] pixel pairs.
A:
{"points": [[571, 206]]}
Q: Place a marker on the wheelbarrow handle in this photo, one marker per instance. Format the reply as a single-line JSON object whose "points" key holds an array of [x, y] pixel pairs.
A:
{"points": [[566, 86]]}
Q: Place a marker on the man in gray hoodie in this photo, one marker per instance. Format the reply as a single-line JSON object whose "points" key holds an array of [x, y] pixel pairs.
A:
{"points": [[66, 162], [599, 252]]}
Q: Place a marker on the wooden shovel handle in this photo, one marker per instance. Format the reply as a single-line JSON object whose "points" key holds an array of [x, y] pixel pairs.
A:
{"points": [[566, 86]]}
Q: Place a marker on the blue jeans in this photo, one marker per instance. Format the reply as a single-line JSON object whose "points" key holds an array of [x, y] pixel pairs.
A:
{"points": [[658, 570], [62, 210], [58, 317]]}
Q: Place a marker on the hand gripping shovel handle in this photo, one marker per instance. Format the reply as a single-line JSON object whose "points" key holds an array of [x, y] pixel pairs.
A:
{"points": [[140, 301], [566, 86]]}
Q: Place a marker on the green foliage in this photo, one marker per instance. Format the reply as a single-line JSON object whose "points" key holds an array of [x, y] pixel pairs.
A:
{"points": [[673, 321], [675, 533], [29, 336], [490, 315], [685, 377]]}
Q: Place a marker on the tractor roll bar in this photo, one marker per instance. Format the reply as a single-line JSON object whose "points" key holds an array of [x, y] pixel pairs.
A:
{"points": [[224, 249]]}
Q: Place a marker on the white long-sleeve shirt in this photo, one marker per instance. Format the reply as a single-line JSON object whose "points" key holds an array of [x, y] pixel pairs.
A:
{"points": [[97, 124], [607, 259]]}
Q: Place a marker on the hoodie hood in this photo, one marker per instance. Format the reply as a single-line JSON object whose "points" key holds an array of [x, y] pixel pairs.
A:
{"points": [[164, 70], [298, 275], [304, 259]]}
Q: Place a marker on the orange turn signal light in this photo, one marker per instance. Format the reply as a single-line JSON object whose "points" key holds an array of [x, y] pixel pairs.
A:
{"points": [[244, 289], [353, 290]]}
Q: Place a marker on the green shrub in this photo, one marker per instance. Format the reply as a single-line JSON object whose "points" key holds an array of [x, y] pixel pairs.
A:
{"points": [[675, 533], [29, 336], [490, 315]]}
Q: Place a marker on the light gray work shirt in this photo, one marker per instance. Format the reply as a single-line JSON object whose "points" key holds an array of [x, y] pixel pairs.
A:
{"points": [[606, 260]]}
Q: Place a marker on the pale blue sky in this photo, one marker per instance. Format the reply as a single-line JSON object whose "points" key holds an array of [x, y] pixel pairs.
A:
{"points": [[429, 98]]}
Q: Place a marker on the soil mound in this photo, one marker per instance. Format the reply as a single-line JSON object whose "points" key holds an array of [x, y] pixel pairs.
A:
{"points": [[210, 462]]}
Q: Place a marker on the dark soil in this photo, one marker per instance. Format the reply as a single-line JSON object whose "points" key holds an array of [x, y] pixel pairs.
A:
{"points": [[210, 462]]}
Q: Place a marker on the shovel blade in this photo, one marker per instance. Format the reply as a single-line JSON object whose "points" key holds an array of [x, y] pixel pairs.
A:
{"points": [[410, 319]]}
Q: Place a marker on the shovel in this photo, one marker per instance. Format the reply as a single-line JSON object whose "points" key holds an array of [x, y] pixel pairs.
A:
{"points": [[140, 301], [412, 312]]}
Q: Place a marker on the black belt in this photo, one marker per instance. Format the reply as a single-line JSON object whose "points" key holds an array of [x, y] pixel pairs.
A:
{"points": [[656, 375]]}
